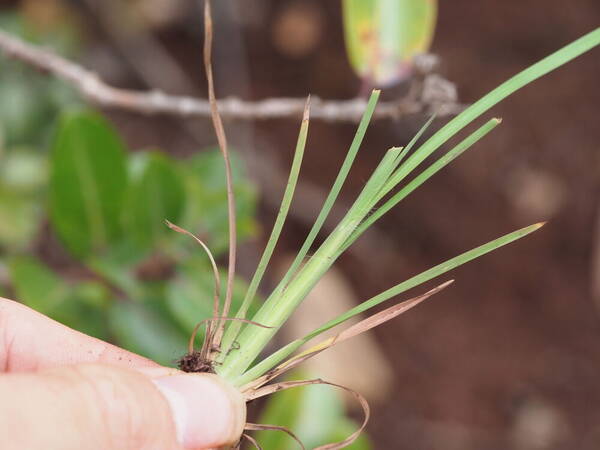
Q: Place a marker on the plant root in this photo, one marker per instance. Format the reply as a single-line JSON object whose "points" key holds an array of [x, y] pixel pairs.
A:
{"points": [[195, 362]]}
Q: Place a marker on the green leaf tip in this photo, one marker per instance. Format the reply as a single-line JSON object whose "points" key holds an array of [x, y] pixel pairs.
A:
{"points": [[390, 173], [398, 289]]}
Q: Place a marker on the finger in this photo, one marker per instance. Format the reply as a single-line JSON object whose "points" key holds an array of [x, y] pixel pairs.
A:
{"points": [[31, 341], [92, 406]]}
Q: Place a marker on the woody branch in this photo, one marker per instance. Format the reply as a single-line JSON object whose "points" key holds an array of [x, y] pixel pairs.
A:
{"points": [[434, 95]]}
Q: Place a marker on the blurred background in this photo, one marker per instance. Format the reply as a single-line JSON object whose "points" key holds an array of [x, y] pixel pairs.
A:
{"points": [[509, 357]]}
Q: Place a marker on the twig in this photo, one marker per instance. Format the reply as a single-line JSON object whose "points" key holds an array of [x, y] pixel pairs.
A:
{"points": [[93, 89]]}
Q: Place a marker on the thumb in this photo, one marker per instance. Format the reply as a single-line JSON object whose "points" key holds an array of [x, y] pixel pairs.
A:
{"points": [[100, 406]]}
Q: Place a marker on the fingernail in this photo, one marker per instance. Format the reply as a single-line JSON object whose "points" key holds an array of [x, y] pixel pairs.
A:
{"points": [[207, 411]]}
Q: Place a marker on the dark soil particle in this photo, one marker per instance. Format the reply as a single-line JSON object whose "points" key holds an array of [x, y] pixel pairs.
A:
{"points": [[195, 363]]}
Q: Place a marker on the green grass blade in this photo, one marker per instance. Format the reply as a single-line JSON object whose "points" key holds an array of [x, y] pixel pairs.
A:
{"points": [[541, 68], [415, 138], [269, 362], [335, 190], [280, 305], [434, 272], [328, 204], [276, 310], [400, 288], [422, 178], [402, 155], [369, 195], [288, 195]]}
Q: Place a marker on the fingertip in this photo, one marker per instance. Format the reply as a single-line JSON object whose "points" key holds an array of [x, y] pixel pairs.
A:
{"points": [[207, 411], [22, 349]]}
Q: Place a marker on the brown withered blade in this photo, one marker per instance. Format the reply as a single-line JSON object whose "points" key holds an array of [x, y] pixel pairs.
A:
{"points": [[261, 427], [277, 387], [362, 326]]}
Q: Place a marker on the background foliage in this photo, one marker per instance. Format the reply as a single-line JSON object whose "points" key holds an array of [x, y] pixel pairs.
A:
{"points": [[68, 177]]}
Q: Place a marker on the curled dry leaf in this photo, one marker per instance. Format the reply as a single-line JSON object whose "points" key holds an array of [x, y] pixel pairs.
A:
{"points": [[277, 387], [217, 291], [261, 427], [253, 441], [255, 391], [213, 319]]}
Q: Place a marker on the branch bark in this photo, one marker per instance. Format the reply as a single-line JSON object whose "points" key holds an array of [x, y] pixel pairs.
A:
{"points": [[436, 95]]}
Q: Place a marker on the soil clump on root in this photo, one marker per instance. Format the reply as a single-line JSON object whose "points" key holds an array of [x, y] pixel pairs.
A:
{"points": [[195, 362]]}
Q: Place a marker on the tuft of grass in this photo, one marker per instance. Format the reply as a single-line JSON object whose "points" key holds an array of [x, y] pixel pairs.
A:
{"points": [[233, 344], [376, 198]]}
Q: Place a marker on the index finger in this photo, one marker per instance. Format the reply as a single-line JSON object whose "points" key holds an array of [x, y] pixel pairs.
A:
{"points": [[31, 341]]}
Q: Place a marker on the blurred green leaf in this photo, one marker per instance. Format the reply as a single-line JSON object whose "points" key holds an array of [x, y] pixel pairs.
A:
{"points": [[207, 199], [81, 306], [87, 309], [282, 409], [92, 293], [345, 428], [118, 270], [30, 100], [23, 170], [59, 33], [24, 108], [37, 286], [88, 180], [156, 192], [190, 294], [320, 411], [190, 299], [383, 36], [142, 329], [30, 105], [21, 216], [314, 413]]}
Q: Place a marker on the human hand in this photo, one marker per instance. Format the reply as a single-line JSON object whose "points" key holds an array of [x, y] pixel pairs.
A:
{"points": [[61, 389]]}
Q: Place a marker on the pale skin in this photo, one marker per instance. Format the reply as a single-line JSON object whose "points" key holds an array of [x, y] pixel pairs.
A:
{"points": [[62, 389]]}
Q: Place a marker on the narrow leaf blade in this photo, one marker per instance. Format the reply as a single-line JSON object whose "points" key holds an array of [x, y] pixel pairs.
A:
{"points": [[513, 84], [434, 272], [420, 179], [335, 190], [286, 202], [280, 355]]}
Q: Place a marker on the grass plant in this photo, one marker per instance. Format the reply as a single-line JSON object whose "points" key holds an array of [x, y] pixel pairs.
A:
{"points": [[235, 355]]}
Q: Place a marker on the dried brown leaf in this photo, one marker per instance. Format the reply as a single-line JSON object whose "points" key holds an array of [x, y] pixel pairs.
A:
{"points": [[354, 330], [277, 387], [217, 278], [222, 140], [253, 441], [385, 315], [213, 319], [261, 427]]}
